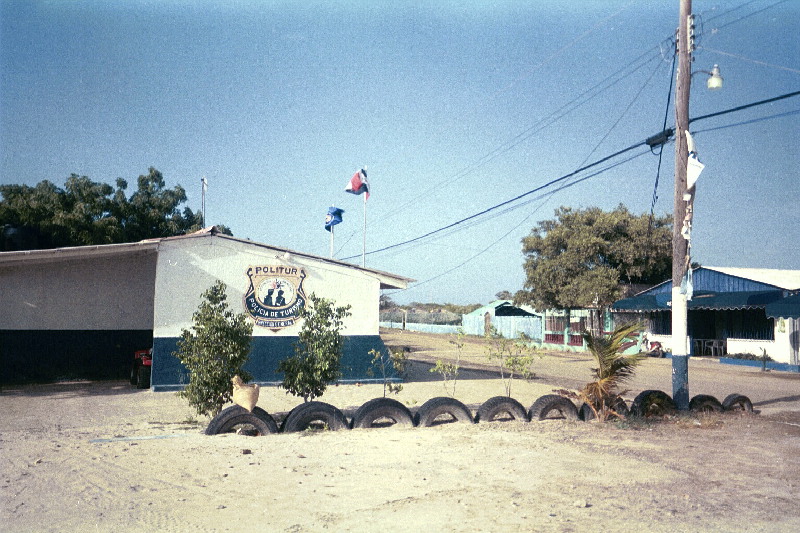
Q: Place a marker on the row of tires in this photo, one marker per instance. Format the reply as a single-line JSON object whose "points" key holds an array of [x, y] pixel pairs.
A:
{"points": [[382, 412]]}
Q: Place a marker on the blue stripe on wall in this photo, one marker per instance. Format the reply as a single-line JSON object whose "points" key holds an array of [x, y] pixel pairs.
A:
{"points": [[265, 353]]}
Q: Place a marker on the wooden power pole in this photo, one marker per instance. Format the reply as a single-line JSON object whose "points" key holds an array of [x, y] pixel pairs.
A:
{"points": [[683, 204]]}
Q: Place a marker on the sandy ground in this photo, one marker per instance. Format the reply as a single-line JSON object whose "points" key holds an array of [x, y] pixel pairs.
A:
{"points": [[103, 456]]}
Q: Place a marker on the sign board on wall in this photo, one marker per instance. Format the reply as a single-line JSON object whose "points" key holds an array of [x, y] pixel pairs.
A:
{"points": [[275, 295]]}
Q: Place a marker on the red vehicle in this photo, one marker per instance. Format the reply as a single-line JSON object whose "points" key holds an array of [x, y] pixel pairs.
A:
{"points": [[142, 364]]}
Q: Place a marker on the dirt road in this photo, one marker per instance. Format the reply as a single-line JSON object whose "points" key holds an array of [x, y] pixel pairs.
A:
{"points": [[103, 456]]}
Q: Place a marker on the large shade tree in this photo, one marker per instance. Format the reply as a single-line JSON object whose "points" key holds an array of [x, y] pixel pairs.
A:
{"points": [[581, 258], [85, 212]]}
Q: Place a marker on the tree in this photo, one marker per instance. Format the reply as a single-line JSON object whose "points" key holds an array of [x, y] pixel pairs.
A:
{"points": [[85, 212], [504, 295], [603, 395], [579, 259], [318, 350], [214, 351]]}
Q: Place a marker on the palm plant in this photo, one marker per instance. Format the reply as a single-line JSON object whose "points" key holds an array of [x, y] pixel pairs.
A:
{"points": [[613, 370]]}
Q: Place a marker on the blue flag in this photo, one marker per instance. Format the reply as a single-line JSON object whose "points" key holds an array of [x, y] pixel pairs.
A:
{"points": [[334, 217]]}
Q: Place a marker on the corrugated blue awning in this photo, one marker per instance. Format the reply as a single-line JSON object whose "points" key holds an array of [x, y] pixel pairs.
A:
{"points": [[788, 307], [701, 300]]}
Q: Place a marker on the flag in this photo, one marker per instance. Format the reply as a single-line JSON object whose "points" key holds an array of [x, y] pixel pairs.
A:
{"points": [[333, 217], [358, 184]]}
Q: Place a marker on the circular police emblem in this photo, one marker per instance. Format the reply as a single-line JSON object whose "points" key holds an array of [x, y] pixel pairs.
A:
{"points": [[275, 296]]}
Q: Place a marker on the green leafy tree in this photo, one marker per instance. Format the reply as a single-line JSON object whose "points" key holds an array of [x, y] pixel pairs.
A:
{"points": [[581, 257], [215, 350], [318, 350], [85, 212]]}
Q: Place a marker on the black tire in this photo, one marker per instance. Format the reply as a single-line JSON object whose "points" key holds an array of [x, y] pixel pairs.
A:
{"points": [[368, 415], [134, 374], [493, 409], [429, 411], [586, 413], [737, 402], [303, 416], [238, 419], [552, 404], [703, 403], [652, 403], [143, 377]]}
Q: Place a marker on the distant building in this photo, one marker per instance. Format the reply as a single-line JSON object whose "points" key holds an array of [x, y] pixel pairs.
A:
{"points": [[81, 312], [507, 319]]}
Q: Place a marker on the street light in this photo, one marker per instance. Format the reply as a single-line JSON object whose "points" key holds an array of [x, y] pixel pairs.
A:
{"points": [[714, 81]]}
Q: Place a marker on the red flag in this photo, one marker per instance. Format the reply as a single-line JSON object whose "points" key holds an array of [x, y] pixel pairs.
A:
{"points": [[358, 184]]}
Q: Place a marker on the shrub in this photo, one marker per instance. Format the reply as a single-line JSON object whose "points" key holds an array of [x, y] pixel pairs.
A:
{"points": [[613, 370], [513, 358], [449, 370], [214, 351], [385, 363], [318, 351]]}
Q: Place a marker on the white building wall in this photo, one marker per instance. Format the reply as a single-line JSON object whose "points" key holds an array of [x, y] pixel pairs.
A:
{"points": [[189, 266], [86, 293]]}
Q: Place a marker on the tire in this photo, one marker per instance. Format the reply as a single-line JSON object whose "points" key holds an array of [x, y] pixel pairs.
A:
{"points": [[143, 377], [134, 374], [703, 403], [236, 418], [429, 411], [552, 404], [737, 402], [586, 413], [301, 417], [371, 412], [652, 403], [494, 408]]}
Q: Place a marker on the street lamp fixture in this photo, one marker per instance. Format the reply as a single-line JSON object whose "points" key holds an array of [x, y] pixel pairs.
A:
{"points": [[714, 78]]}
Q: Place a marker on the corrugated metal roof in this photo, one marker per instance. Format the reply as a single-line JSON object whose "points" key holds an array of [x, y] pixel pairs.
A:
{"points": [[724, 279], [387, 279], [783, 279]]}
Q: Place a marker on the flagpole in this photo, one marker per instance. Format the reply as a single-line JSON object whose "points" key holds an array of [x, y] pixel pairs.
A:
{"points": [[203, 186], [332, 241], [364, 246]]}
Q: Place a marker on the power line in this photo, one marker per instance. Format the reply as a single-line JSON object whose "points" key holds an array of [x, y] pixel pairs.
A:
{"points": [[660, 138], [746, 122], [512, 200], [746, 106], [539, 197], [587, 95]]}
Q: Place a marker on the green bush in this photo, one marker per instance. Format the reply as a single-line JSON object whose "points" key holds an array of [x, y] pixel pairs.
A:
{"points": [[214, 352], [318, 351]]}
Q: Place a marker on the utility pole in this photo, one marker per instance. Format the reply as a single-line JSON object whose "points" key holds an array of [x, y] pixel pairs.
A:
{"points": [[683, 203]]}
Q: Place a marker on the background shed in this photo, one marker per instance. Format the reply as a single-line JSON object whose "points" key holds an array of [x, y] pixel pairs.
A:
{"points": [[509, 320]]}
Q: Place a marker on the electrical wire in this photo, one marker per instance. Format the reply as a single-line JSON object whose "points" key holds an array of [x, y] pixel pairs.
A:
{"points": [[743, 17], [525, 219], [586, 96], [567, 176], [746, 122], [507, 202], [746, 106], [796, 71]]}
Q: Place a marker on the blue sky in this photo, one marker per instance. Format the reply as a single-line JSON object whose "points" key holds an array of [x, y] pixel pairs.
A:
{"points": [[453, 107]]}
